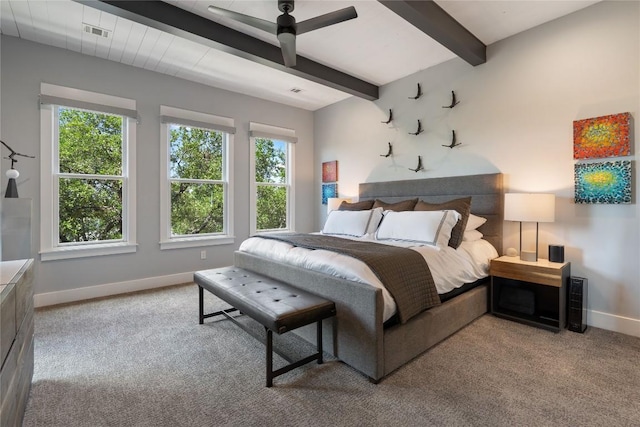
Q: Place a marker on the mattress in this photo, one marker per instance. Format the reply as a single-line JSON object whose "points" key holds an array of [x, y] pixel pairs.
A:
{"points": [[450, 268]]}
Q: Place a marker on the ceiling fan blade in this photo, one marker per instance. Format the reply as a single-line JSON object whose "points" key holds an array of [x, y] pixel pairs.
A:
{"points": [[261, 24], [327, 19], [288, 46]]}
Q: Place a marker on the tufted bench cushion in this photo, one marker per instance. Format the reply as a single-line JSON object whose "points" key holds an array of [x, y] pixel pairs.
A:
{"points": [[274, 304], [277, 306]]}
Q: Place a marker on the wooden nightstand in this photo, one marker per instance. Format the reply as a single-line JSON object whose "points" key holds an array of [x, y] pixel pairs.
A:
{"points": [[533, 293]]}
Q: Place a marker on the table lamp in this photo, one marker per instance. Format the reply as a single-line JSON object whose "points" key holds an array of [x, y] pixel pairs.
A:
{"points": [[333, 203], [529, 207]]}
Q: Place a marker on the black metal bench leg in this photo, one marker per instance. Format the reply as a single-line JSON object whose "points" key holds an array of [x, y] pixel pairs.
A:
{"points": [[319, 338], [268, 340], [201, 304], [269, 345]]}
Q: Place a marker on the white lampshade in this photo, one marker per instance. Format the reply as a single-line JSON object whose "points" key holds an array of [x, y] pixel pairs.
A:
{"points": [[334, 203], [529, 207]]}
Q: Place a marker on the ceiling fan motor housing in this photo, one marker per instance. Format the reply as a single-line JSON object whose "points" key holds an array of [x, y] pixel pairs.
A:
{"points": [[285, 6]]}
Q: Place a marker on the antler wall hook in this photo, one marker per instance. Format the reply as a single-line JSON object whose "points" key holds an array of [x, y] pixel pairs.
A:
{"points": [[389, 153], [419, 167], [419, 131], [454, 142], [419, 94], [453, 101], [390, 117]]}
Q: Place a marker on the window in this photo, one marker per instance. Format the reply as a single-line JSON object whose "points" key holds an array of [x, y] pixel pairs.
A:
{"points": [[196, 193], [88, 178], [272, 183]]}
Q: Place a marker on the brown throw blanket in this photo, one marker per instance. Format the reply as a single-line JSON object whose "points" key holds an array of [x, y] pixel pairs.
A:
{"points": [[402, 271]]}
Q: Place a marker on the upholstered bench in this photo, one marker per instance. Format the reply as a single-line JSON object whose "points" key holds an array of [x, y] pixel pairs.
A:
{"points": [[277, 306]]}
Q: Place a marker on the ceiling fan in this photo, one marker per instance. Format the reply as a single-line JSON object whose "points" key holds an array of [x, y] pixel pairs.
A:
{"points": [[286, 27]]}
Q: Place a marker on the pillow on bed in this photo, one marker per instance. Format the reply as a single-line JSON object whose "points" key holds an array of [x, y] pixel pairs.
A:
{"points": [[374, 221], [405, 205], [364, 205], [426, 227], [471, 235], [474, 222], [348, 223], [462, 206]]}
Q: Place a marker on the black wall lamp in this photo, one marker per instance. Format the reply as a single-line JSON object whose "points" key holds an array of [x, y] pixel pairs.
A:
{"points": [[12, 174]]}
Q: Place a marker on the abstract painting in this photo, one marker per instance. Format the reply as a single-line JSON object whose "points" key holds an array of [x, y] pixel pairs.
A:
{"points": [[600, 137], [330, 171], [603, 182], [329, 190]]}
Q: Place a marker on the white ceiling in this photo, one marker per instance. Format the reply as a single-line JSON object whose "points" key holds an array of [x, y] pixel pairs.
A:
{"points": [[378, 46]]}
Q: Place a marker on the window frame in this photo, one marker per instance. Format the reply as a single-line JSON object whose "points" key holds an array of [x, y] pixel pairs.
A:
{"points": [[289, 184], [193, 119], [50, 247]]}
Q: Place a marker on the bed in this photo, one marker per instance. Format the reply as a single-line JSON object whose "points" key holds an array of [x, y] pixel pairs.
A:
{"points": [[359, 335]]}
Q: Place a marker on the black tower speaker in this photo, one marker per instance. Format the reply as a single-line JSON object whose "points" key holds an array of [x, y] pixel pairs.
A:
{"points": [[556, 253], [577, 312]]}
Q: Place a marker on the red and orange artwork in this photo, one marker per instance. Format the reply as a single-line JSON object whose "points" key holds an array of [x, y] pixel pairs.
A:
{"points": [[600, 137], [330, 171]]}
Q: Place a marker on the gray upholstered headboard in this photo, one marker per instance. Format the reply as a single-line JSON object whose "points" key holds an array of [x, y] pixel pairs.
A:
{"points": [[486, 191]]}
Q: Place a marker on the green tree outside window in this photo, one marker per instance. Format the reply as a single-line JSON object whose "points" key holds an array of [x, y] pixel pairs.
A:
{"points": [[90, 181], [197, 186], [271, 184]]}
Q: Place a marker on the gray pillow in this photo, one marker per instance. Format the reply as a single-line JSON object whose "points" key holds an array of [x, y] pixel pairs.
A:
{"points": [[364, 205], [405, 205]]}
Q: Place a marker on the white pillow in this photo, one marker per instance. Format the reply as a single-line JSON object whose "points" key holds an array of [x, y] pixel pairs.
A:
{"points": [[349, 223], [474, 222], [423, 227], [471, 236], [374, 221]]}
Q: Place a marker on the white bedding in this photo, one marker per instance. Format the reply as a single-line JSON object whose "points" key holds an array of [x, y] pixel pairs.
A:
{"points": [[450, 268]]}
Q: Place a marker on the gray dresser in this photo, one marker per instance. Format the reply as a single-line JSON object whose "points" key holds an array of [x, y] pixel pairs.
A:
{"points": [[16, 339]]}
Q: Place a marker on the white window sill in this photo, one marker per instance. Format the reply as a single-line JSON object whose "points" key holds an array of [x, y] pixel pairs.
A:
{"points": [[82, 251], [194, 242]]}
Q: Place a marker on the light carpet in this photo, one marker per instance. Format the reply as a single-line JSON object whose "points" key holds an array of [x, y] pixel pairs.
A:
{"points": [[143, 360]]}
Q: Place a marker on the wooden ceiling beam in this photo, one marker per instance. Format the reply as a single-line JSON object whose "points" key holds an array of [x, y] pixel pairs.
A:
{"points": [[432, 20], [181, 23]]}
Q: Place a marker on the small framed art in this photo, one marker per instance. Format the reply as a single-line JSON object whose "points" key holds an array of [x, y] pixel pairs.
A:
{"points": [[328, 191], [330, 171], [601, 137], [603, 182]]}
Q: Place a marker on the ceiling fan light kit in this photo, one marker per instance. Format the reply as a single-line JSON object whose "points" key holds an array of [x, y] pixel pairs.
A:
{"points": [[285, 28]]}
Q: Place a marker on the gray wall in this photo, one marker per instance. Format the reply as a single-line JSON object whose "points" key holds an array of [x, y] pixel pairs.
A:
{"points": [[25, 65], [515, 116]]}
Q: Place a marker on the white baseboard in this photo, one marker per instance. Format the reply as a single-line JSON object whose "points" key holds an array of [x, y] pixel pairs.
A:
{"points": [[611, 322], [109, 289]]}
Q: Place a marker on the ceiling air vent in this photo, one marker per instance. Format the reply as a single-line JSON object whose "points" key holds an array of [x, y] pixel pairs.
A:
{"points": [[97, 31]]}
